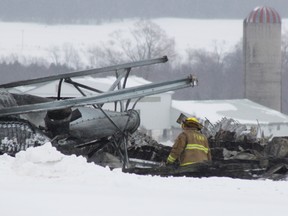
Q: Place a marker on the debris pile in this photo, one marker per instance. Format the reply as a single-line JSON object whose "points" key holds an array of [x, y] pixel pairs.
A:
{"points": [[237, 152], [18, 134]]}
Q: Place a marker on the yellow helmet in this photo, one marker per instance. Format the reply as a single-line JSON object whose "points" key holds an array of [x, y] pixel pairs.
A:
{"points": [[192, 122], [193, 119]]}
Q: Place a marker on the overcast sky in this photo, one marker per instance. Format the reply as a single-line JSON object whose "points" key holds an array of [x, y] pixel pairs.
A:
{"points": [[76, 11]]}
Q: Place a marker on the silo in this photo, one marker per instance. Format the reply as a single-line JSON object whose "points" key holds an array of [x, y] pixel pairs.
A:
{"points": [[262, 57]]}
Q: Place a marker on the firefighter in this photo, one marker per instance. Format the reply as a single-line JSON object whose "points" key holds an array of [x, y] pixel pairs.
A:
{"points": [[191, 146]]}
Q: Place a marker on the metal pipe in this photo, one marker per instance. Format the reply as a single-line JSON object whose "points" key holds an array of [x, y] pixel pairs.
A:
{"points": [[59, 89], [122, 94], [69, 81], [86, 72]]}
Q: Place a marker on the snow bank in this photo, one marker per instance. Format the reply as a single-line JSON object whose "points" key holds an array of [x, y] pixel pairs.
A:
{"points": [[42, 181], [46, 162]]}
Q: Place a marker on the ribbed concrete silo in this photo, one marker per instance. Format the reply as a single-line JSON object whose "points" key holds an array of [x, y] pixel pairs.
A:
{"points": [[262, 57]]}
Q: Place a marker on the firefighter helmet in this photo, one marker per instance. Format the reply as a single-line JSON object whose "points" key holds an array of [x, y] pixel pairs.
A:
{"points": [[192, 122]]}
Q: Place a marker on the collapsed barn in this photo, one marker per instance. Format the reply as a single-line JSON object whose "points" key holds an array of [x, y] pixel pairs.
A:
{"points": [[235, 152], [112, 138]]}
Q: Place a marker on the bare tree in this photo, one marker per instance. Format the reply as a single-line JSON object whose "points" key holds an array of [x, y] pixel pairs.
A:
{"points": [[209, 68], [106, 54], [220, 73], [55, 54], [66, 54], [234, 72], [71, 56], [148, 41], [145, 41]]}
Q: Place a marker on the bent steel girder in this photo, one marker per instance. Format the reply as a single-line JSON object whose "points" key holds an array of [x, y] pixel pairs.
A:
{"points": [[124, 74], [86, 72], [122, 94]]}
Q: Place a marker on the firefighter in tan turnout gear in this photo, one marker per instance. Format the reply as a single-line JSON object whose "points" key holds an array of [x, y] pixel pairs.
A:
{"points": [[191, 146]]}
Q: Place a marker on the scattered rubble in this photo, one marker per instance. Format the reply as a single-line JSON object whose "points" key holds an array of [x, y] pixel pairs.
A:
{"points": [[237, 151]]}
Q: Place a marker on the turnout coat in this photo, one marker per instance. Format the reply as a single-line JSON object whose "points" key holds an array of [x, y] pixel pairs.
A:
{"points": [[190, 147]]}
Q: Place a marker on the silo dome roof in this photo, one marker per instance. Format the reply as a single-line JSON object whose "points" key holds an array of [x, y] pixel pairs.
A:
{"points": [[263, 15]]}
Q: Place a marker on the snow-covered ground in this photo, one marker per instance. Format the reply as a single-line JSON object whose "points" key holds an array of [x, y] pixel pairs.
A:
{"points": [[40, 40], [41, 181], [32, 41]]}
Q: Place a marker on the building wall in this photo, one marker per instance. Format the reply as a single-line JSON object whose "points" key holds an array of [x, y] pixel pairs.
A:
{"points": [[155, 115], [262, 57], [154, 111]]}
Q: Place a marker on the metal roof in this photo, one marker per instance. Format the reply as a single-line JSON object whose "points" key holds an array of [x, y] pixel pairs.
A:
{"points": [[263, 14], [242, 110]]}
